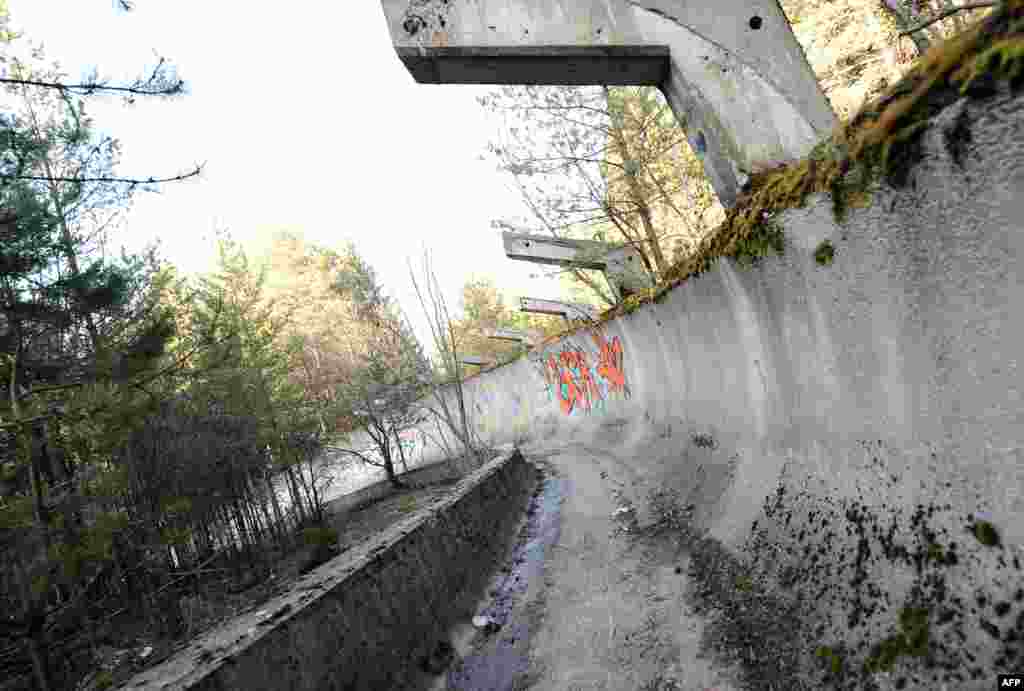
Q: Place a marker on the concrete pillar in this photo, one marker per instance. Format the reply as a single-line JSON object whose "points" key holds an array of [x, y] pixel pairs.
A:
{"points": [[731, 70]]}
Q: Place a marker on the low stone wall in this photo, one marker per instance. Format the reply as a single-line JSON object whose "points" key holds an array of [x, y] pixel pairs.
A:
{"points": [[363, 620]]}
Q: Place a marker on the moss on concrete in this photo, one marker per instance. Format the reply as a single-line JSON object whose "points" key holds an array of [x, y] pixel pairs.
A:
{"points": [[882, 142], [986, 533], [940, 628], [912, 640], [824, 253], [833, 659]]}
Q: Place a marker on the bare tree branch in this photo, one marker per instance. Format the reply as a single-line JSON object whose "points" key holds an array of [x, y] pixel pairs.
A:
{"points": [[948, 13], [128, 181], [158, 83]]}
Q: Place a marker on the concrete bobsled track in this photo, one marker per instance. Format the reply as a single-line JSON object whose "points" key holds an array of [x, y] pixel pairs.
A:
{"points": [[840, 423], [849, 425]]}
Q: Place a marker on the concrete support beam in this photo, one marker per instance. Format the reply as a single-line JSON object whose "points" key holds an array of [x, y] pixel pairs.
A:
{"points": [[622, 265], [475, 360], [568, 310], [514, 335], [732, 71], [562, 65]]}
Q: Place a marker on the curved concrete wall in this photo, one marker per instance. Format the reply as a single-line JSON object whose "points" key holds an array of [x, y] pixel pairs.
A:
{"points": [[821, 417]]}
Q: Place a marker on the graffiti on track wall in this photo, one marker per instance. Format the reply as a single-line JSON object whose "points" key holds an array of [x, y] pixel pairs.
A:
{"points": [[583, 381], [409, 439]]}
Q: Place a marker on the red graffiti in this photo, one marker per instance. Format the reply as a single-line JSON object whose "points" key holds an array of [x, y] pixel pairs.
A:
{"points": [[564, 383], [570, 375], [577, 370], [593, 391], [610, 362]]}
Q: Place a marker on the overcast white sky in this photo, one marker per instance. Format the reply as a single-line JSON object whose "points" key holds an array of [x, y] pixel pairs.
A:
{"points": [[307, 121]]}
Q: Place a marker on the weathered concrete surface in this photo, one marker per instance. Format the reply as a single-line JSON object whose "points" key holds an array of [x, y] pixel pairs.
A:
{"points": [[731, 70], [365, 619], [556, 308], [852, 431], [615, 614], [622, 264]]}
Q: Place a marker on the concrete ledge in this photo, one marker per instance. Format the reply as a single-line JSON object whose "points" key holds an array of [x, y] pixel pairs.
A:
{"points": [[363, 620], [562, 65]]}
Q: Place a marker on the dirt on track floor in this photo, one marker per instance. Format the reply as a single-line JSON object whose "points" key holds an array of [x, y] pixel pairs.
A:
{"points": [[616, 610], [606, 609]]}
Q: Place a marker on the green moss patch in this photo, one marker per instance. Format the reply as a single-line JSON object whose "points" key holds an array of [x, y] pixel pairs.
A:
{"points": [[832, 658], [882, 142], [912, 640], [824, 253], [986, 533]]}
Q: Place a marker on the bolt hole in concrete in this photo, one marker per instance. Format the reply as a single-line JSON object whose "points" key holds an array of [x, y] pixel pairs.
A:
{"points": [[756, 22], [413, 23]]}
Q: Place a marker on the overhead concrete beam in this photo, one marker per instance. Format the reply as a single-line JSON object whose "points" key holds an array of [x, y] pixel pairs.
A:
{"points": [[568, 310], [581, 254], [475, 360], [621, 264], [514, 335], [562, 65], [732, 71]]}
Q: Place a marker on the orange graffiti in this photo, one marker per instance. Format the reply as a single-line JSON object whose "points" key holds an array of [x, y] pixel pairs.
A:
{"points": [[570, 375], [564, 385], [610, 362], [576, 361]]}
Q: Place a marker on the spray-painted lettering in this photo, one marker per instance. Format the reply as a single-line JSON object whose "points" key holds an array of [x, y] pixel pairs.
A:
{"points": [[610, 362], [571, 377]]}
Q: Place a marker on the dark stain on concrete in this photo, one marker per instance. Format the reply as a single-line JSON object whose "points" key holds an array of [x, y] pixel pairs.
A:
{"points": [[771, 606], [499, 660], [927, 637]]}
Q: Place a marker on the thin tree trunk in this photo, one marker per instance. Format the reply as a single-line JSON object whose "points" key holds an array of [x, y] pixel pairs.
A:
{"points": [[389, 468], [401, 452], [249, 505], [273, 527], [275, 504], [905, 18], [637, 194], [252, 524], [239, 518], [34, 646], [35, 653], [460, 395], [293, 486]]}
